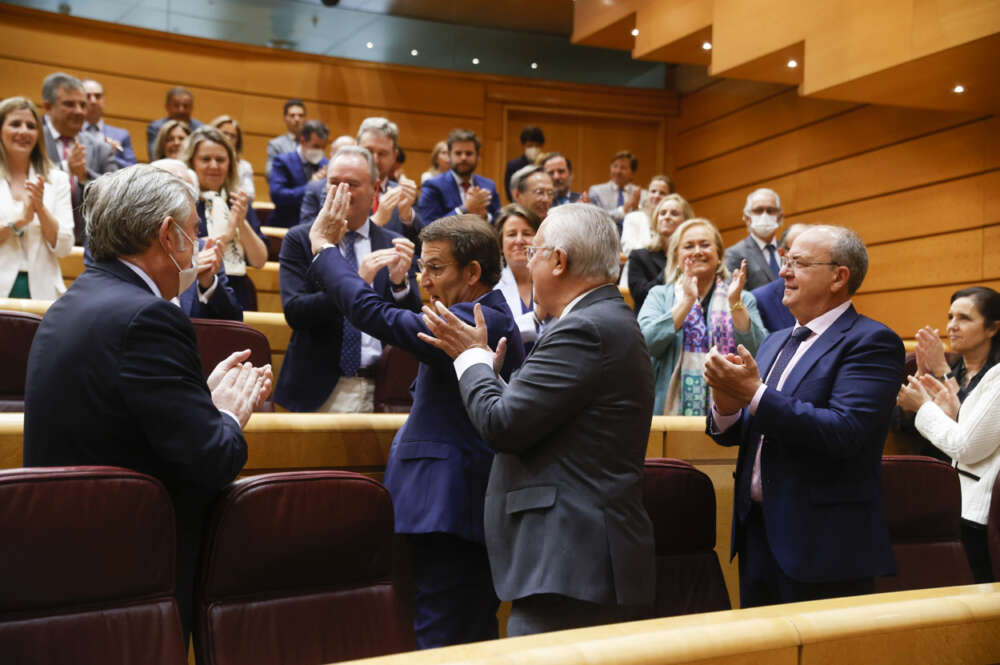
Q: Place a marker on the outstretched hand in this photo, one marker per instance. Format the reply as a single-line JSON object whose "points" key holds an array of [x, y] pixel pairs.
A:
{"points": [[450, 333], [330, 224]]}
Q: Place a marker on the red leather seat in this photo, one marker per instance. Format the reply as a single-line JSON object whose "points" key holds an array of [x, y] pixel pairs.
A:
{"points": [[17, 330], [218, 338], [680, 501], [923, 507], [87, 568], [396, 372], [297, 569], [993, 529]]}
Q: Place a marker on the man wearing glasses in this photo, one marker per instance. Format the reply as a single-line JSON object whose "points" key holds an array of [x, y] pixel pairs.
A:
{"points": [[810, 416], [533, 189], [438, 464], [763, 216]]}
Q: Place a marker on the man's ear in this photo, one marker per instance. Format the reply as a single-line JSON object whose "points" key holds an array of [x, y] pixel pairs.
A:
{"points": [[167, 239], [472, 272], [843, 276], [561, 266]]}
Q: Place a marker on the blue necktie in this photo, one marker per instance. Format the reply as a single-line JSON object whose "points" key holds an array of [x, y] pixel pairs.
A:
{"points": [[775, 268], [350, 341], [621, 197], [798, 336]]}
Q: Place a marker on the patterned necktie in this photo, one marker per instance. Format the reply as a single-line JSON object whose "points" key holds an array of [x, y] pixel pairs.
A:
{"points": [[798, 336], [775, 269], [350, 341]]}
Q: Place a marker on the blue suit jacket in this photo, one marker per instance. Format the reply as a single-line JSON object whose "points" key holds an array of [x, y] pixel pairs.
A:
{"points": [[125, 156], [773, 312], [311, 366], [315, 197], [288, 181], [221, 305], [821, 458], [438, 465], [439, 197]]}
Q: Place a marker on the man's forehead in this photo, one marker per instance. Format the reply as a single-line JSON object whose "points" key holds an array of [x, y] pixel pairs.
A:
{"points": [[349, 166], [463, 146], [556, 163], [67, 93], [812, 242], [539, 177], [436, 249], [763, 199], [94, 87]]}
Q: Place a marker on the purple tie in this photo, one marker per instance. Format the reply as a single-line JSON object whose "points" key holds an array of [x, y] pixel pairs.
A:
{"points": [[350, 341]]}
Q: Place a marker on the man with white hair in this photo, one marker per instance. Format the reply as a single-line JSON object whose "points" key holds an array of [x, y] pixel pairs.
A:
{"points": [[569, 540], [762, 214], [533, 189]]}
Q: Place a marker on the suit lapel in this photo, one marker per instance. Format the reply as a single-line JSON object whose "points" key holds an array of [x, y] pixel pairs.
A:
{"points": [[298, 171], [767, 356], [827, 341], [50, 145], [455, 194], [757, 258]]}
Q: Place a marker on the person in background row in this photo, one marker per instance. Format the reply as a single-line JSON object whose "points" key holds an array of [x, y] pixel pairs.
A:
{"points": [[532, 141], [397, 168], [36, 215], [958, 409], [179, 106], [170, 139], [533, 189], [117, 137], [701, 306], [460, 190], [439, 162], [295, 117], [560, 169], [244, 169], [638, 227], [516, 227], [291, 172], [773, 312], [618, 196], [224, 212], [646, 265], [393, 206], [763, 216], [340, 142]]}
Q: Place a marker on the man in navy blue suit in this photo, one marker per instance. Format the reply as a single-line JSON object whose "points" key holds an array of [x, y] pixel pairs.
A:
{"points": [[115, 376], [459, 190], [808, 521], [292, 171], [117, 137], [438, 465], [330, 365], [774, 314]]}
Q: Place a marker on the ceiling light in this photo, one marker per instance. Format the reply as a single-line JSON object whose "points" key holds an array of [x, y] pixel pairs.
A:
{"points": [[792, 64], [369, 45], [475, 61], [958, 89], [414, 52], [706, 46], [534, 65], [635, 32]]}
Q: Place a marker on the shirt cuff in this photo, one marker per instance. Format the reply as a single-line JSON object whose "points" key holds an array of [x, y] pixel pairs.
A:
{"points": [[721, 422], [400, 296], [231, 415], [757, 396], [203, 296], [470, 357]]}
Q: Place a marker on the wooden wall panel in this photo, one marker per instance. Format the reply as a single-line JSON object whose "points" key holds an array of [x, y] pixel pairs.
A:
{"points": [[991, 252], [920, 262], [720, 98], [907, 310]]}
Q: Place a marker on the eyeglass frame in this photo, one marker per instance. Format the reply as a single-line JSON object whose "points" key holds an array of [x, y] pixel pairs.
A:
{"points": [[435, 269], [795, 263], [531, 250]]}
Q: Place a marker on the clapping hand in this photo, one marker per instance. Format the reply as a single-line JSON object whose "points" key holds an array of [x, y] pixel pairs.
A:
{"points": [[76, 160], [387, 203], [450, 333], [209, 260], [930, 353], [238, 387], [330, 224], [737, 284], [408, 195], [476, 200], [734, 378], [34, 193], [912, 395]]}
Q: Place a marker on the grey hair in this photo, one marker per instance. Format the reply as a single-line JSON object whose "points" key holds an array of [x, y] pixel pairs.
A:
{"points": [[181, 170], [362, 152], [381, 126], [589, 238], [55, 82], [519, 180], [124, 209], [761, 190], [847, 250]]}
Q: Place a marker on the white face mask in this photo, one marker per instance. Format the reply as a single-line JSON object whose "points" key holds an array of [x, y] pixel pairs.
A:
{"points": [[187, 275], [532, 151], [764, 225], [313, 155]]}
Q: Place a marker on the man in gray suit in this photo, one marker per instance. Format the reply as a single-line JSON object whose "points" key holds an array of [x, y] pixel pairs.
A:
{"points": [[619, 196], [82, 155], [762, 214], [569, 541]]}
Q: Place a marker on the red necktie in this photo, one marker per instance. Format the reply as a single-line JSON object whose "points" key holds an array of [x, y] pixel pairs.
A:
{"points": [[378, 195]]}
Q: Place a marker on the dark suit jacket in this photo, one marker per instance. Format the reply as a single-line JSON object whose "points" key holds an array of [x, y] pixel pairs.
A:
{"points": [[114, 377], [645, 270], [315, 197], [239, 284], [822, 453], [438, 466], [571, 197], [564, 511], [773, 312], [222, 304], [153, 128], [311, 366], [125, 156], [758, 269], [287, 182], [440, 197]]}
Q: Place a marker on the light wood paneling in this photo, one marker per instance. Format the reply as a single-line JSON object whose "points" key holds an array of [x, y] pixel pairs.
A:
{"points": [[908, 310], [720, 98], [920, 262]]}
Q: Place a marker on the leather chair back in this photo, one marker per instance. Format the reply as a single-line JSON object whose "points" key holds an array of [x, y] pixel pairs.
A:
{"points": [[297, 569], [396, 372], [218, 338], [17, 330], [993, 529], [87, 568], [680, 501], [923, 507]]}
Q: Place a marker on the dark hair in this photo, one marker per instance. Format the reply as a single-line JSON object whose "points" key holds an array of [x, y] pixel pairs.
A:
{"points": [[293, 102], [471, 239], [314, 127], [625, 154], [55, 82], [400, 155], [553, 155], [177, 91], [516, 210], [532, 133], [987, 301], [461, 136]]}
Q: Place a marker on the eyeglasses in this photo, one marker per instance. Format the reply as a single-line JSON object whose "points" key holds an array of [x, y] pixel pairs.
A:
{"points": [[796, 263], [531, 250], [544, 193], [434, 269]]}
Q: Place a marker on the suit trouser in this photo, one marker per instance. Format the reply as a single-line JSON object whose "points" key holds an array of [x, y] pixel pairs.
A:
{"points": [[455, 600], [548, 612], [763, 582]]}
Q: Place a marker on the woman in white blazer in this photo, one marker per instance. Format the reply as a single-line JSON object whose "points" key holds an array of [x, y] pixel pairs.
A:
{"points": [[36, 215], [517, 226]]}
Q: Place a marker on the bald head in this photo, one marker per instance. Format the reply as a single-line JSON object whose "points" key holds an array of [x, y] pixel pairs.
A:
{"points": [[178, 168]]}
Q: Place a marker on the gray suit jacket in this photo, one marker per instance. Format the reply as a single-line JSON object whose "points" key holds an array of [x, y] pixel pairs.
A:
{"points": [[758, 270], [564, 511], [605, 196]]}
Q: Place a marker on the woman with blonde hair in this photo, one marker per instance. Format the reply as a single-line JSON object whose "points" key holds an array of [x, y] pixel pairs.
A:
{"points": [[170, 139], [645, 265], [244, 169], [700, 306], [440, 162], [36, 215], [224, 212]]}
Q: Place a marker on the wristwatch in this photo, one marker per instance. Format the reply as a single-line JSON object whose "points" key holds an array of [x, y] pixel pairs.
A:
{"points": [[17, 231]]}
